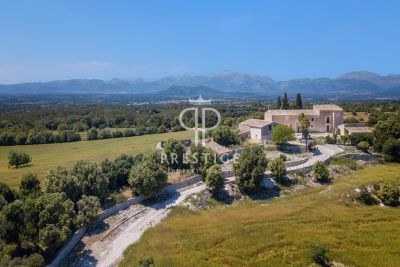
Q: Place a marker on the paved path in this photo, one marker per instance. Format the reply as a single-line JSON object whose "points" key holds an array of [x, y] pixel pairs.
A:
{"points": [[108, 251], [325, 152]]}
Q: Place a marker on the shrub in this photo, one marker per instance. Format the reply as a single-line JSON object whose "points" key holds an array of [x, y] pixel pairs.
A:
{"points": [[365, 196], [117, 198], [147, 178], [175, 154], [329, 139], [8, 193], [391, 150], [104, 134], [318, 254], [277, 168], [363, 146], [214, 179], [92, 134], [117, 134], [129, 132], [281, 134], [224, 136], [30, 185], [283, 157], [389, 194], [88, 207], [146, 262], [320, 172], [250, 167], [18, 158]]}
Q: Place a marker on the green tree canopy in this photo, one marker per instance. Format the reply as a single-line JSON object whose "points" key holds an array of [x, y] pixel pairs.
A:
{"points": [[225, 136], [285, 102], [89, 179], [278, 168], [299, 101], [281, 134], [320, 171], [250, 167], [88, 206], [30, 185], [147, 178], [59, 180], [175, 153], [214, 179], [18, 158]]}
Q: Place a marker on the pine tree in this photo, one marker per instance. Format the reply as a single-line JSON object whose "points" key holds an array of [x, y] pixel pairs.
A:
{"points": [[299, 102], [279, 103], [285, 102]]}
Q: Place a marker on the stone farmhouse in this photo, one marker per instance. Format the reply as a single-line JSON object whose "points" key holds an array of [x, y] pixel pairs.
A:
{"points": [[323, 119]]}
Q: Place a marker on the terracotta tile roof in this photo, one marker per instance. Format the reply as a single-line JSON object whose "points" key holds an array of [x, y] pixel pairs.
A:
{"points": [[327, 107], [217, 148], [358, 130], [291, 112], [256, 123]]}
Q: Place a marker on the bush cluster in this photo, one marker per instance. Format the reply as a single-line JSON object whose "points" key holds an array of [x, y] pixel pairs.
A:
{"points": [[38, 137], [387, 193]]}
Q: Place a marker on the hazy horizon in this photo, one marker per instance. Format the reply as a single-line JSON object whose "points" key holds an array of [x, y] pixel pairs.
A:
{"points": [[47, 40]]}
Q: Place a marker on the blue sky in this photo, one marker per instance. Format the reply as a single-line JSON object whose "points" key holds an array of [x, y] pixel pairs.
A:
{"points": [[47, 40]]}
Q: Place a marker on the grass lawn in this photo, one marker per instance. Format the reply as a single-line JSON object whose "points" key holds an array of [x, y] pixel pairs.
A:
{"points": [[48, 156], [280, 232]]}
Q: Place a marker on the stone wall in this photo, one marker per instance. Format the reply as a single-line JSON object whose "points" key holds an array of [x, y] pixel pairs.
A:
{"points": [[66, 250]]}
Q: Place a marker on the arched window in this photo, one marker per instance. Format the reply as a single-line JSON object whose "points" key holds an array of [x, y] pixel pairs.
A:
{"points": [[327, 120]]}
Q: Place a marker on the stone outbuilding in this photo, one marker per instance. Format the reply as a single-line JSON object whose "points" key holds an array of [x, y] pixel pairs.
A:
{"points": [[257, 130], [354, 129]]}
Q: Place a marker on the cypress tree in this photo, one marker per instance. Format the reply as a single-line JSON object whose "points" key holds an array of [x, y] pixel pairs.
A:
{"points": [[299, 102], [279, 103], [285, 101]]}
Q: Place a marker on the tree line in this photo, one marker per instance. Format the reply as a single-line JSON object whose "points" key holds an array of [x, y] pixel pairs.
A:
{"points": [[34, 124]]}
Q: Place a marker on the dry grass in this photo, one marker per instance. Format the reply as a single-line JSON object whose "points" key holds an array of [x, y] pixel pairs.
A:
{"points": [[280, 232], [361, 116]]}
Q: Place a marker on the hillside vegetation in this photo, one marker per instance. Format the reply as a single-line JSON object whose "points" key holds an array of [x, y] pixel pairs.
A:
{"points": [[280, 232], [49, 156]]}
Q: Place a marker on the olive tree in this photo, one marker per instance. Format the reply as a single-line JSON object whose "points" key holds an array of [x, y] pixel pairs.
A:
{"points": [[147, 178], [175, 153], [214, 179], [278, 168], [18, 158], [30, 185], [320, 172], [60, 180], [249, 167], [89, 179], [281, 134], [88, 206], [225, 136]]}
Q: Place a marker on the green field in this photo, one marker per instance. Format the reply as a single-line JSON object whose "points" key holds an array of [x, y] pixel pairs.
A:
{"points": [[48, 156], [280, 232]]}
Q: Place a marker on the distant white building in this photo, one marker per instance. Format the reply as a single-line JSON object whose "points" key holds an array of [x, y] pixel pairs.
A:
{"points": [[200, 101]]}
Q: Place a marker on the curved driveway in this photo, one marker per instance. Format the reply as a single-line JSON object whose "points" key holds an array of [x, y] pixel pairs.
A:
{"points": [[109, 251]]}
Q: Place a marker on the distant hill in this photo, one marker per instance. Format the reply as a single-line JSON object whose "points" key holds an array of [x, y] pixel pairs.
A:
{"points": [[218, 85]]}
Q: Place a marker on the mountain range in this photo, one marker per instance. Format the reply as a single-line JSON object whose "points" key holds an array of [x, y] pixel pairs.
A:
{"points": [[222, 84]]}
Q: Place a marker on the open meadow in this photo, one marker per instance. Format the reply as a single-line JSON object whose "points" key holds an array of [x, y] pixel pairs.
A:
{"points": [[48, 156], [280, 232]]}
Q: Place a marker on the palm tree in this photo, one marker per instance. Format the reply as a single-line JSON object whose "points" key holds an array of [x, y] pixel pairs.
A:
{"points": [[304, 126]]}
